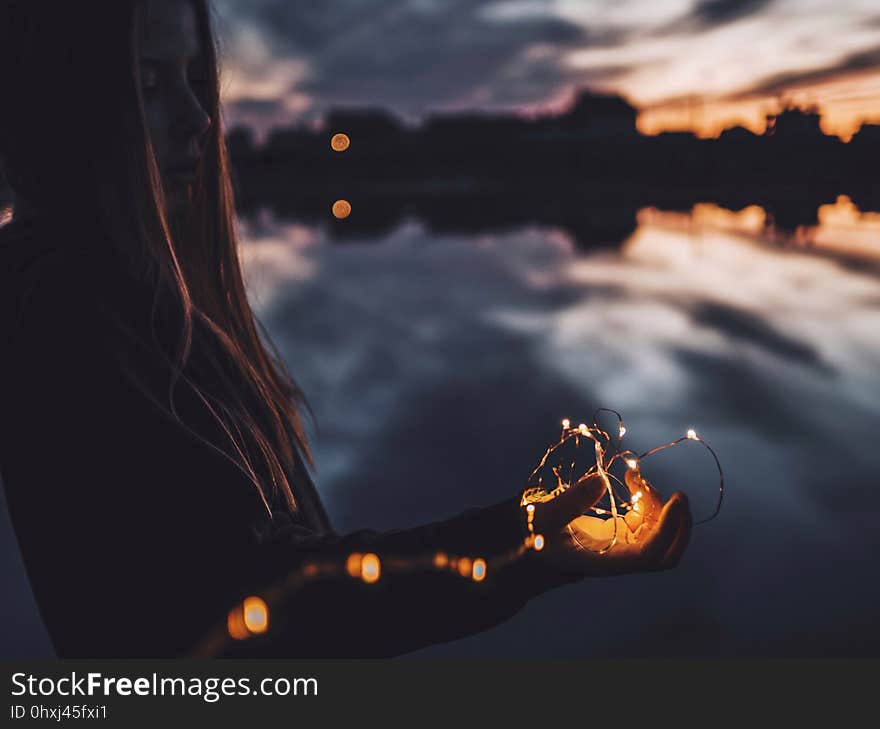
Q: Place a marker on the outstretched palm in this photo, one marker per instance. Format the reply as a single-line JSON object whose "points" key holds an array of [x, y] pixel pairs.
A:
{"points": [[654, 538]]}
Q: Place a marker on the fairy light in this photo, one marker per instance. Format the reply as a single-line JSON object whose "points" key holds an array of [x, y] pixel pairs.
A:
{"points": [[256, 614], [235, 626], [479, 570], [371, 568], [558, 470], [631, 494], [250, 617]]}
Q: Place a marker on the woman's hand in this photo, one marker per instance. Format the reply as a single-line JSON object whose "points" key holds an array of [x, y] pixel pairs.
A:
{"points": [[652, 538]]}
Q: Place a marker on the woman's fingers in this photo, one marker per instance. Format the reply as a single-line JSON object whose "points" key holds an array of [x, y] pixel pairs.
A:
{"points": [[679, 544], [662, 538], [551, 516]]}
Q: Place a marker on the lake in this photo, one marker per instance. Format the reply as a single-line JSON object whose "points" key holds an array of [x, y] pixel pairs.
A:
{"points": [[440, 365]]}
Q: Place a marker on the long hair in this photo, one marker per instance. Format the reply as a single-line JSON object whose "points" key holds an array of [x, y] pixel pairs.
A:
{"points": [[74, 139]]}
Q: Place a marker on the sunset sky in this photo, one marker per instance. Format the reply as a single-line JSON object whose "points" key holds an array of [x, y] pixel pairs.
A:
{"points": [[685, 64]]}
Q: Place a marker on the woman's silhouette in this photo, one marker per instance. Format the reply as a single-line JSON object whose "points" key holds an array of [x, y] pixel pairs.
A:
{"points": [[152, 450]]}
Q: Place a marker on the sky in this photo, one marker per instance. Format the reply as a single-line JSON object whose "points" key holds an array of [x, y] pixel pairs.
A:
{"points": [[685, 64]]}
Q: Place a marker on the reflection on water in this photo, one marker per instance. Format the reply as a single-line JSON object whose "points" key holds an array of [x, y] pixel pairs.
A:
{"points": [[439, 367]]}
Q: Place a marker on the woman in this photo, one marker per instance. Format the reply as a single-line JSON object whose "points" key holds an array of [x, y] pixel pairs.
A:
{"points": [[151, 446]]}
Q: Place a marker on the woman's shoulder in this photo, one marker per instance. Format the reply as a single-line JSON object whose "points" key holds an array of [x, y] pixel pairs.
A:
{"points": [[44, 269], [38, 244], [37, 252]]}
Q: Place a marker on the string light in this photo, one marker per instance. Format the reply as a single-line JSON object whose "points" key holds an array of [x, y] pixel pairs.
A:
{"points": [[256, 614], [371, 568], [479, 570], [559, 469], [630, 504], [249, 618]]}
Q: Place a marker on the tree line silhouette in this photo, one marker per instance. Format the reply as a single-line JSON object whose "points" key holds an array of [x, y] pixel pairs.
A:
{"points": [[587, 169]]}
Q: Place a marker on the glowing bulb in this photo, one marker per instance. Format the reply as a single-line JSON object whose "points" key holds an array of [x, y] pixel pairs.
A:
{"points": [[622, 431], [341, 209], [539, 542], [465, 565], [632, 463], [479, 573], [441, 560], [371, 568], [692, 434], [256, 614], [235, 624], [635, 505], [353, 564], [583, 428], [339, 142], [566, 423], [530, 508]]}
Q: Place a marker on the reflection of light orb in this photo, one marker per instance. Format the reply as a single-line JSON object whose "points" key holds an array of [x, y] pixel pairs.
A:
{"points": [[341, 209], [339, 142], [256, 614]]}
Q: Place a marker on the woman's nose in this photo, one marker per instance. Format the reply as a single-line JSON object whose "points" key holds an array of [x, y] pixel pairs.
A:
{"points": [[194, 120]]}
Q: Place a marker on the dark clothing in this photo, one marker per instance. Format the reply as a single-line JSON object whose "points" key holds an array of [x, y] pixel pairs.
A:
{"points": [[138, 537]]}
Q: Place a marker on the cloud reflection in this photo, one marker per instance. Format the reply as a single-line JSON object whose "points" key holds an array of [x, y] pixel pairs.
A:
{"points": [[439, 367]]}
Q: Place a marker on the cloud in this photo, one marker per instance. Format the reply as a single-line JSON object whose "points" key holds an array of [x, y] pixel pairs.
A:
{"points": [[780, 83], [414, 55], [716, 12]]}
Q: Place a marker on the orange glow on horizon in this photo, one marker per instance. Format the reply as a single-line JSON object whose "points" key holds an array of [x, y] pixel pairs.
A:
{"points": [[845, 104]]}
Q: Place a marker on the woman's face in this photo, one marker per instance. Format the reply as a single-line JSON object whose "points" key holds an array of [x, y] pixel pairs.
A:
{"points": [[174, 82]]}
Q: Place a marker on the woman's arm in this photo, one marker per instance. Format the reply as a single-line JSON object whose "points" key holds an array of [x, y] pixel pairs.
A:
{"points": [[138, 537]]}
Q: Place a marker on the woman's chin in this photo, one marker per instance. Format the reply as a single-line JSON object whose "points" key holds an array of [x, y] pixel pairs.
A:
{"points": [[178, 196]]}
